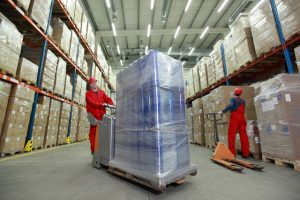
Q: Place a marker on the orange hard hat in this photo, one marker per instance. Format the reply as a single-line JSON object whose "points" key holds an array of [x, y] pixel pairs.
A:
{"points": [[92, 80], [238, 91]]}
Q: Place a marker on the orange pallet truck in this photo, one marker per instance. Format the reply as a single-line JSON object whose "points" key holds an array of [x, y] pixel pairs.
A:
{"points": [[222, 155]]}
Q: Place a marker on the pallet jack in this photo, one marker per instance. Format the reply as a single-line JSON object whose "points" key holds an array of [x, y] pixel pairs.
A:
{"points": [[222, 155]]}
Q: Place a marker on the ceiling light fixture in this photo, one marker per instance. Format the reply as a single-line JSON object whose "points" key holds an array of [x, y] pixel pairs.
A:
{"points": [[107, 3], [118, 48], [177, 31], [170, 49], [149, 30], [187, 5], [223, 5], [152, 4], [204, 32], [192, 50], [114, 29]]}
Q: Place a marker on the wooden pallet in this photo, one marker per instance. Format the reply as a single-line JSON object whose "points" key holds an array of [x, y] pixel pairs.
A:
{"points": [[146, 182], [37, 148], [49, 146], [8, 73], [4, 154], [210, 146], [281, 162]]}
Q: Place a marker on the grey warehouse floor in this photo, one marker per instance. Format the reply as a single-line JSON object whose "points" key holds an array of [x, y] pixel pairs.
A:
{"points": [[67, 173]]}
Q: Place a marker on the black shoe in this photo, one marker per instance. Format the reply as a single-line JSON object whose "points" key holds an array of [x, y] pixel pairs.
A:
{"points": [[245, 157]]}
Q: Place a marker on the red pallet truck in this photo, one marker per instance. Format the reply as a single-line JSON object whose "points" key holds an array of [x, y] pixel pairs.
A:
{"points": [[222, 155]]}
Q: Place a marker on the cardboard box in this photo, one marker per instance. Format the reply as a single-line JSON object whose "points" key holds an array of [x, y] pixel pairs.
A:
{"points": [[210, 68], [196, 79], [15, 125], [91, 36], [74, 123], [71, 7], [297, 53], [78, 15], [73, 46], [277, 106], [63, 123], [4, 95], [52, 123], [84, 25], [39, 11], [189, 123], [24, 4], [83, 125], [60, 77], [68, 87], [203, 75], [217, 57], [198, 122], [27, 70], [61, 34]]}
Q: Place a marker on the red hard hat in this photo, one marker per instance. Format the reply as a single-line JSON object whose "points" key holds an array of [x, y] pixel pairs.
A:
{"points": [[238, 91], [92, 80]]}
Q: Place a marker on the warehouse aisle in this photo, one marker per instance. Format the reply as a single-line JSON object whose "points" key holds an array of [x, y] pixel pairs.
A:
{"points": [[66, 173]]}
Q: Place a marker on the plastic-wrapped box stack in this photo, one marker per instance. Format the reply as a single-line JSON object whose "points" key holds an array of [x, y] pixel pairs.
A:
{"points": [[84, 23], [39, 11], [24, 4], [74, 124], [242, 40], [297, 55], [52, 123], [68, 87], [73, 46], [60, 77], [63, 123], [263, 24], [4, 95], [196, 79], [27, 70], [85, 67], [71, 6], [61, 34], [10, 45], [153, 142], [49, 72], [83, 125], [90, 36], [210, 68], [230, 56], [14, 130], [190, 90], [189, 123], [277, 106], [78, 85], [40, 122], [80, 56], [203, 75], [78, 15], [82, 92], [217, 56], [198, 122], [216, 101]]}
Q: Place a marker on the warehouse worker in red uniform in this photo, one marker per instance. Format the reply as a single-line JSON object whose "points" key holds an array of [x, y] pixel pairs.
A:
{"points": [[237, 123], [95, 101]]}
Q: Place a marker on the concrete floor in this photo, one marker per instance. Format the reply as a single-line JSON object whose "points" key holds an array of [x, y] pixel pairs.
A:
{"points": [[66, 173]]}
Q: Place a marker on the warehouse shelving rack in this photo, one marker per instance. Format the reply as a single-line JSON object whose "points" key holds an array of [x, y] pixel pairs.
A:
{"points": [[265, 63], [36, 37]]}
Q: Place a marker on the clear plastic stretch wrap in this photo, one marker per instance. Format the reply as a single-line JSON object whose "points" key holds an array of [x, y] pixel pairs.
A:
{"points": [[230, 56], [78, 15], [71, 6], [10, 45], [68, 87], [189, 123], [210, 67], [240, 29], [203, 75], [90, 37], [60, 76], [80, 56], [151, 139], [52, 123], [24, 4], [217, 56], [27, 70], [84, 22], [196, 79], [73, 46], [277, 106], [39, 11], [61, 34], [85, 67]]}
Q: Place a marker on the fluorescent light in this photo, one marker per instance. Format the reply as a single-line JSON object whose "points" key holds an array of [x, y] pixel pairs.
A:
{"points": [[223, 5], [258, 4], [107, 3], [183, 63], [192, 50], [114, 29], [118, 48], [121, 62], [149, 29], [177, 31], [152, 4], [146, 49], [204, 32], [170, 49], [187, 5]]}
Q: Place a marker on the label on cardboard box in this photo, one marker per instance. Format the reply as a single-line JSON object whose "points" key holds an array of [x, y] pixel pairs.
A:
{"points": [[267, 106], [288, 98], [256, 139]]}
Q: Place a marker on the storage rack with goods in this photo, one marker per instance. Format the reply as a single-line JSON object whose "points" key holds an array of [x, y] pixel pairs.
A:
{"points": [[32, 20], [258, 55]]}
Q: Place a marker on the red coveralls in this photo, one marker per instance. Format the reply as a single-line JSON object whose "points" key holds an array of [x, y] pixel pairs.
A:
{"points": [[238, 123], [94, 101]]}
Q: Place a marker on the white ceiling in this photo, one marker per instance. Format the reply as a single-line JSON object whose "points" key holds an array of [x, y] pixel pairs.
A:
{"points": [[133, 17]]}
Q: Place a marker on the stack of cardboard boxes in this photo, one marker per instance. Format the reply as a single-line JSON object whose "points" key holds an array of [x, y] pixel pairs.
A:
{"points": [[74, 123], [210, 68], [24, 4], [40, 121], [189, 123], [73, 46], [217, 57], [297, 55], [10, 45], [277, 106], [229, 54], [4, 95], [63, 123], [39, 11], [198, 122], [68, 87], [60, 78], [71, 7], [52, 123], [15, 125], [83, 125], [203, 75], [78, 15], [61, 34], [27, 70], [196, 79]]}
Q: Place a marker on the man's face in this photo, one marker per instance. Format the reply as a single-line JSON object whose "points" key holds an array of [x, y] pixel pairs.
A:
{"points": [[94, 86]]}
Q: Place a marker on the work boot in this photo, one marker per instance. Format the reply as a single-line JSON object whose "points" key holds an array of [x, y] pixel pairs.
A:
{"points": [[245, 157]]}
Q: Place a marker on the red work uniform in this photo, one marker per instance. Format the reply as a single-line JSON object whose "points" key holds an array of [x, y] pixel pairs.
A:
{"points": [[94, 101], [237, 123]]}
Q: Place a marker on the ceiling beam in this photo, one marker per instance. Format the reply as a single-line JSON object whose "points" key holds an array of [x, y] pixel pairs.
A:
{"points": [[191, 31]]}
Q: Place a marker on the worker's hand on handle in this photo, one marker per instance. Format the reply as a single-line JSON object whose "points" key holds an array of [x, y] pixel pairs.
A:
{"points": [[220, 112], [108, 105]]}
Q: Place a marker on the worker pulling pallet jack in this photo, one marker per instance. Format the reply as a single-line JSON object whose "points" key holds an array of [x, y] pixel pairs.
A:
{"points": [[222, 155]]}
